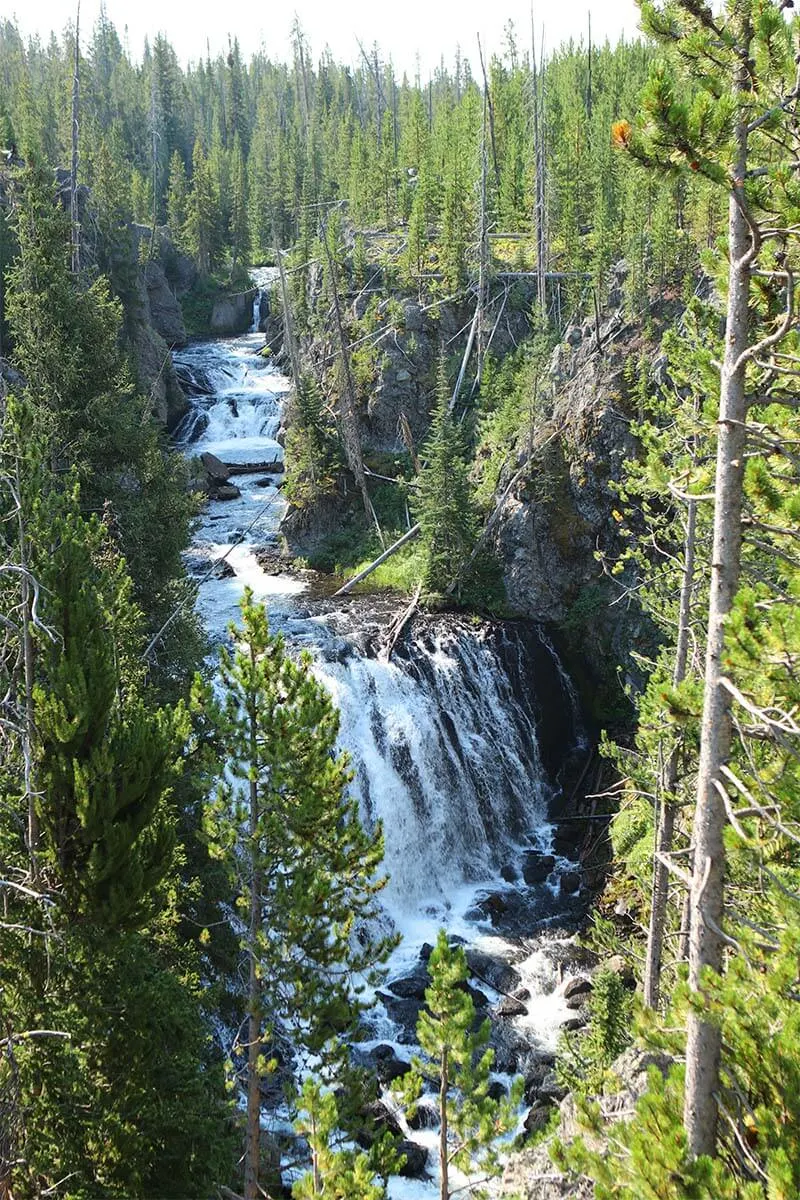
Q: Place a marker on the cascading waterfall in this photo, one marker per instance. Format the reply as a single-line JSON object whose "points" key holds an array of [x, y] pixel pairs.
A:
{"points": [[456, 743]]}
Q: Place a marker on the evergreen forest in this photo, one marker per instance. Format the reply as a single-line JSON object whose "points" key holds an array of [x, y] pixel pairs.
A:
{"points": [[400, 617]]}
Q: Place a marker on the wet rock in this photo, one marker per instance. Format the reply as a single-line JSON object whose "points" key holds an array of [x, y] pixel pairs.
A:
{"points": [[537, 1117], [509, 873], [495, 972], [570, 883], [425, 1116], [580, 986], [224, 570], [377, 1119], [215, 468], [509, 1007], [404, 1012], [224, 491], [573, 1024], [416, 1159], [536, 866], [385, 1062], [567, 839], [511, 1048], [551, 1088], [411, 987], [497, 1090]]}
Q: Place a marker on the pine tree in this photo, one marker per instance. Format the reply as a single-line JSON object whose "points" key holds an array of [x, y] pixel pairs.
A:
{"points": [[459, 1060], [443, 504], [340, 1174], [309, 869]]}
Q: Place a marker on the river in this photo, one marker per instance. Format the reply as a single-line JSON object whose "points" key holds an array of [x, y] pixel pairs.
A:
{"points": [[456, 743]]}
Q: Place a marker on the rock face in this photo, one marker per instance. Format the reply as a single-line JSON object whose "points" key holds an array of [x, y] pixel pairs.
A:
{"points": [[233, 314], [166, 316]]}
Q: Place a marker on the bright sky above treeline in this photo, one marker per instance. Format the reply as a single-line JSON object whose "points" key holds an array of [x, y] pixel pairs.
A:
{"points": [[403, 29]]}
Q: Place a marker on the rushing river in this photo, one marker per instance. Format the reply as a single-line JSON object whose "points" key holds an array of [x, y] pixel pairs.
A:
{"points": [[455, 743]]}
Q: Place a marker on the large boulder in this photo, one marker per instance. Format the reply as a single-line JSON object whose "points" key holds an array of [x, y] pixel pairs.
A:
{"points": [[233, 314]]}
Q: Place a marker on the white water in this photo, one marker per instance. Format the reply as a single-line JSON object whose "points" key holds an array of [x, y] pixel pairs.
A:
{"points": [[444, 753]]}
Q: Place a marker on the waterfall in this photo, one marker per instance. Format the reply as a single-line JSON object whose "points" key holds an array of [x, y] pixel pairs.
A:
{"points": [[456, 744], [450, 750], [257, 311]]}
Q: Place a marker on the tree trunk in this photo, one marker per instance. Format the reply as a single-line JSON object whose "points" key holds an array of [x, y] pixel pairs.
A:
{"points": [[27, 596], [707, 892], [252, 1160], [666, 823], [75, 239], [352, 442], [444, 1182]]}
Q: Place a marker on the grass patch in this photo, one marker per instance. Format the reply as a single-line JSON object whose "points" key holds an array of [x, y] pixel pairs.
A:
{"points": [[401, 573]]}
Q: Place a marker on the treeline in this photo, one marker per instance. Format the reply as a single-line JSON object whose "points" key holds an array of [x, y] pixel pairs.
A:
{"points": [[238, 156]]}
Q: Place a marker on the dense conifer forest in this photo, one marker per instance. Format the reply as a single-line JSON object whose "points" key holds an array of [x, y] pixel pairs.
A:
{"points": [[538, 313]]}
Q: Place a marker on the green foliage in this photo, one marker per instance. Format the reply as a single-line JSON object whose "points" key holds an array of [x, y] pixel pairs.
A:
{"points": [[313, 453], [443, 501], [107, 759], [292, 836], [583, 1062], [137, 1064], [341, 1174], [459, 1060]]}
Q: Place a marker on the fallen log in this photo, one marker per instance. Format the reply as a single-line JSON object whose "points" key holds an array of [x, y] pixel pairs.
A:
{"points": [[399, 625], [271, 466], [351, 583]]}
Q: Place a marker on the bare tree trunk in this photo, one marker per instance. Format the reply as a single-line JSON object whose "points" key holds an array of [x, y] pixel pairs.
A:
{"points": [[707, 894], [75, 238], [252, 1158], [666, 822], [539, 202], [444, 1181], [352, 442], [288, 323], [27, 647]]}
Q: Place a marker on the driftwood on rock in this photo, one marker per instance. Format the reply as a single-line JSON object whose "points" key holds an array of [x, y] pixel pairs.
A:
{"points": [[220, 472]]}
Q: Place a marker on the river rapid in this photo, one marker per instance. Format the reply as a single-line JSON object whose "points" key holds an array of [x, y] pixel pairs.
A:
{"points": [[456, 742]]}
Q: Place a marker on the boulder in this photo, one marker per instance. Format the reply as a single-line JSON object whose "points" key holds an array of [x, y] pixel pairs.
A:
{"points": [[425, 1116], [416, 1159], [536, 866], [581, 985], [573, 1024], [377, 1120], [385, 1062], [233, 314], [620, 966], [509, 1007], [410, 987], [495, 972], [214, 467], [224, 491], [570, 882], [537, 1117]]}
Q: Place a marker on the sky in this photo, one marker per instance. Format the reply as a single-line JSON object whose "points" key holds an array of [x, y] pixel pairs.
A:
{"points": [[403, 29]]}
